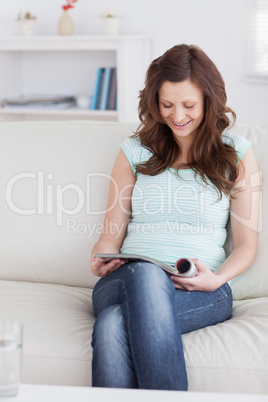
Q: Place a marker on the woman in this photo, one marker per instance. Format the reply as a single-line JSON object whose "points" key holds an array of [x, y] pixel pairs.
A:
{"points": [[177, 181]]}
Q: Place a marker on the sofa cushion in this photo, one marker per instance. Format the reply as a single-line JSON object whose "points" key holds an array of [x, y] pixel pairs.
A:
{"points": [[57, 327], [254, 281], [232, 356], [55, 178], [58, 322]]}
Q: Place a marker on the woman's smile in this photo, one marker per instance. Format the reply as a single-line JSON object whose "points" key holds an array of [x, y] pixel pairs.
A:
{"points": [[181, 125]]}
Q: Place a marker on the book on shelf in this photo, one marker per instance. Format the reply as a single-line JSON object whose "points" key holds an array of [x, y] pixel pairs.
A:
{"points": [[183, 267], [111, 104], [100, 88], [105, 88], [105, 92], [97, 87]]}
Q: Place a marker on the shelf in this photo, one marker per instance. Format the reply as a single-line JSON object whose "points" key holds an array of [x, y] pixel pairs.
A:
{"points": [[68, 64], [75, 42], [63, 112]]}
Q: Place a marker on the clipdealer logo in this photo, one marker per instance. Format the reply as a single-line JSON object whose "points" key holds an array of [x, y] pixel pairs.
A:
{"points": [[49, 198]]}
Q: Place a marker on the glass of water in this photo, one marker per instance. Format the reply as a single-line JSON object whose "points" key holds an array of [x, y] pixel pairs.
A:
{"points": [[10, 357]]}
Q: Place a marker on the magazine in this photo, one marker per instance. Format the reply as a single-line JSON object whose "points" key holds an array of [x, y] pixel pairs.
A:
{"points": [[182, 267], [59, 102]]}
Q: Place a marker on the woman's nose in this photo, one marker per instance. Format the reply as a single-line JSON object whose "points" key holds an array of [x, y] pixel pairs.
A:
{"points": [[179, 115]]}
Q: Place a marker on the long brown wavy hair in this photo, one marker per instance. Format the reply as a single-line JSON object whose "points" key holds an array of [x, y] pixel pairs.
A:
{"points": [[209, 156]]}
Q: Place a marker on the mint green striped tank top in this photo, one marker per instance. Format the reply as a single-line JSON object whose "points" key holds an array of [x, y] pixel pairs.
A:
{"points": [[175, 214]]}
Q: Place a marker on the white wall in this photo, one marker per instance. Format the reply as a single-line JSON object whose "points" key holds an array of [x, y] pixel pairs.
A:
{"points": [[219, 27]]}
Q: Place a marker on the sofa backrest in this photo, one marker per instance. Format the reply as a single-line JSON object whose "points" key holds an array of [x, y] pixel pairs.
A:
{"points": [[54, 186], [54, 176], [254, 281]]}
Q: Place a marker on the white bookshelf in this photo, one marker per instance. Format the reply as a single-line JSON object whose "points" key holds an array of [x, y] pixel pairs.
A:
{"points": [[53, 65]]}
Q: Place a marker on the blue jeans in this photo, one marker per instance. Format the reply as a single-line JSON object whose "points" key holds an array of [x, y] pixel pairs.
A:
{"points": [[137, 339]]}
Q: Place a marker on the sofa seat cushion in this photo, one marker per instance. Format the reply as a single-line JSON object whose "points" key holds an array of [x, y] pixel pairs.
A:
{"points": [[58, 322], [233, 355]]}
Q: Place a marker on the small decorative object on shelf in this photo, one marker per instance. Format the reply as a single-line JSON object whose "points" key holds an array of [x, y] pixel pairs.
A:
{"points": [[83, 102], [111, 21], [66, 23], [26, 23]]}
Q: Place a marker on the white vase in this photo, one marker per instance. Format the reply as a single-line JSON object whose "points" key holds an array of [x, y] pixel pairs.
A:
{"points": [[111, 25], [65, 24], [26, 26]]}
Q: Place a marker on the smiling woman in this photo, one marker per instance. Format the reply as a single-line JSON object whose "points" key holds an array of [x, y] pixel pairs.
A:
{"points": [[185, 94], [179, 173]]}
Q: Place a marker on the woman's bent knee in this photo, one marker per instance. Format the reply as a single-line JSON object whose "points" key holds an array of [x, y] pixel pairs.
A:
{"points": [[147, 273], [108, 325]]}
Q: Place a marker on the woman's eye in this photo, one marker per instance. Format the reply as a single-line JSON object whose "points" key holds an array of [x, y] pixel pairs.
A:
{"points": [[166, 106], [189, 107]]}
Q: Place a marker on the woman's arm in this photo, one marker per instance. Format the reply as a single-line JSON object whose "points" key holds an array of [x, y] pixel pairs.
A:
{"points": [[116, 217], [244, 219], [244, 225]]}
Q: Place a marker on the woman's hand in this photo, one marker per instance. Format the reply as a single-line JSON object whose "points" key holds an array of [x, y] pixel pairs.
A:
{"points": [[100, 267], [205, 280]]}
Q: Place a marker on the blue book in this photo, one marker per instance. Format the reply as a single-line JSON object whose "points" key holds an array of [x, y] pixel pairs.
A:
{"points": [[105, 88], [97, 87], [100, 88]]}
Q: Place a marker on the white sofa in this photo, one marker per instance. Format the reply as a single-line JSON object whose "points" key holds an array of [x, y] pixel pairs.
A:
{"points": [[53, 186]]}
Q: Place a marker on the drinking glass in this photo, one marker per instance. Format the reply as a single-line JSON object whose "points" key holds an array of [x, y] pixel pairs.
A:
{"points": [[10, 357]]}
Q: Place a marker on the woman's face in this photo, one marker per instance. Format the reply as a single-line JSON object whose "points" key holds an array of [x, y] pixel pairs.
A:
{"points": [[181, 105]]}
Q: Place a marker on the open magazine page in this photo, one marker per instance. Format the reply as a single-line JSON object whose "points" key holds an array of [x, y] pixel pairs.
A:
{"points": [[188, 270]]}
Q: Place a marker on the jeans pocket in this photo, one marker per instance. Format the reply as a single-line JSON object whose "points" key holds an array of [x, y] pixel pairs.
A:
{"points": [[223, 293]]}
